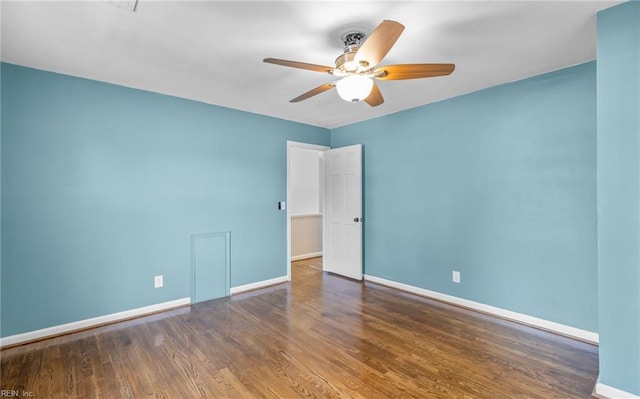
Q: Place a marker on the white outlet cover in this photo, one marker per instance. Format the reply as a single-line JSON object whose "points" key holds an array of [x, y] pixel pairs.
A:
{"points": [[456, 276], [158, 281]]}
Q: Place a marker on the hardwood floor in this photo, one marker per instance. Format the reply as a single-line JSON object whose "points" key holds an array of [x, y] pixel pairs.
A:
{"points": [[320, 337]]}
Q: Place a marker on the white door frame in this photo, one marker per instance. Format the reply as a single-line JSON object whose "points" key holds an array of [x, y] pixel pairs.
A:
{"points": [[307, 146]]}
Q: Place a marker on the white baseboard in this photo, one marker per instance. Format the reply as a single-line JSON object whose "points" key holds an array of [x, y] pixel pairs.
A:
{"points": [[551, 326], [603, 391], [89, 323], [257, 285], [306, 256]]}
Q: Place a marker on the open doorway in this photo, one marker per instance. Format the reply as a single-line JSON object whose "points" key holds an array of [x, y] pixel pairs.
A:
{"points": [[304, 199]]}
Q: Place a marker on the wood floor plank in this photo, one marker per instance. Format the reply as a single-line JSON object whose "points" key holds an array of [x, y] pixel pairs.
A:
{"points": [[322, 336]]}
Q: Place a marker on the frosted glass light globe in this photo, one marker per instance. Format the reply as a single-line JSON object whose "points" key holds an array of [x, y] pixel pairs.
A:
{"points": [[354, 88]]}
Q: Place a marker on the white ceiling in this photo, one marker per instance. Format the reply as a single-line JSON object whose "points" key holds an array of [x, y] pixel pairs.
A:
{"points": [[212, 51]]}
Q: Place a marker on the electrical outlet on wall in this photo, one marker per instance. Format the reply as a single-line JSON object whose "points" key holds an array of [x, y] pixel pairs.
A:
{"points": [[158, 281], [456, 276]]}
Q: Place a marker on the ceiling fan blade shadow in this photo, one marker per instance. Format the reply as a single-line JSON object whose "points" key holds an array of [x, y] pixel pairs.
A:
{"points": [[375, 97], [300, 65], [379, 42], [412, 71], [313, 92]]}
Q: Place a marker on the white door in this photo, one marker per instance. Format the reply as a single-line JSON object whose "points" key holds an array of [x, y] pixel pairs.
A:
{"points": [[342, 252]]}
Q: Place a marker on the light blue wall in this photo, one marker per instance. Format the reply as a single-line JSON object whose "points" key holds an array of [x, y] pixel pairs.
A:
{"points": [[619, 195], [500, 185], [102, 187]]}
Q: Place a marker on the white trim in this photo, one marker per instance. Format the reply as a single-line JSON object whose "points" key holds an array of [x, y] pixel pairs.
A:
{"points": [[306, 256], [606, 392], [259, 284], [93, 322], [308, 215], [551, 326]]}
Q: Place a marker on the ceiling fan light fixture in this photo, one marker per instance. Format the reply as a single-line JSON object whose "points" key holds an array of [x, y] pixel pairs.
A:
{"points": [[354, 88], [358, 65]]}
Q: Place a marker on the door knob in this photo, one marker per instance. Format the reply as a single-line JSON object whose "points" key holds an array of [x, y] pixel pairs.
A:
{"points": [[356, 220]]}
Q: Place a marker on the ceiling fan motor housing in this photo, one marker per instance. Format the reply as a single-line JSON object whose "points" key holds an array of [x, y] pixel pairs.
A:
{"points": [[346, 61]]}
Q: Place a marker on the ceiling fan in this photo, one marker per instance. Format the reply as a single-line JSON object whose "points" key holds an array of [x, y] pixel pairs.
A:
{"points": [[357, 66]]}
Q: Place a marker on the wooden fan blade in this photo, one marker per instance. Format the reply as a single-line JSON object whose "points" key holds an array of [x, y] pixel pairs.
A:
{"points": [[379, 42], [375, 97], [413, 71], [313, 92], [301, 65]]}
